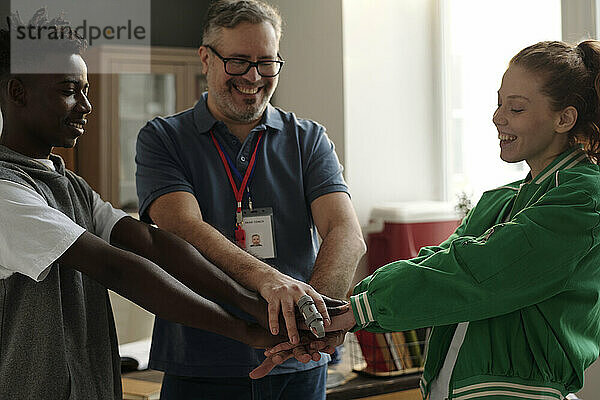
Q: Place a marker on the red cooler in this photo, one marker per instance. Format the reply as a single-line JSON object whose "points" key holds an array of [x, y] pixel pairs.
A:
{"points": [[398, 230]]}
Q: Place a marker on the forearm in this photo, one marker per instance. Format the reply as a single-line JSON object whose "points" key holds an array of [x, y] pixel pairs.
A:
{"points": [[186, 264], [146, 284], [240, 265], [154, 290], [336, 262]]}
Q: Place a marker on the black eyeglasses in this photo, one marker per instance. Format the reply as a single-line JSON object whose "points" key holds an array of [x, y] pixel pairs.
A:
{"points": [[239, 66]]}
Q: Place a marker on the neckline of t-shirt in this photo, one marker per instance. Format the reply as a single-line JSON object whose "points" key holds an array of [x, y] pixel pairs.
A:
{"points": [[47, 162]]}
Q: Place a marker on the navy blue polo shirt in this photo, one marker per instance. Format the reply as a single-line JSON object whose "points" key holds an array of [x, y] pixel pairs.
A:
{"points": [[295, 164]]}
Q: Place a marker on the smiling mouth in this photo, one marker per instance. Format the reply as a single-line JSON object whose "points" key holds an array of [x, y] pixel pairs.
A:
{"points": [[506, 138], [77, 125], [247, 89]]}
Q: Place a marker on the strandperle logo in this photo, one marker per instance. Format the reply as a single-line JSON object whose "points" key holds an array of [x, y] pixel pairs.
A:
{"points": [[116, 32], [89, 32]]}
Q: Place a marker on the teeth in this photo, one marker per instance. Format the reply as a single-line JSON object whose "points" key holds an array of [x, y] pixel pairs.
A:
{"points": [[75, 125], [247, 90], [503, 136]]}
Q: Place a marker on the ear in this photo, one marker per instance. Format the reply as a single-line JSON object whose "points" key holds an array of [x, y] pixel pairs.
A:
{"points": [[566, 121], [203, 53], [15, 92]]}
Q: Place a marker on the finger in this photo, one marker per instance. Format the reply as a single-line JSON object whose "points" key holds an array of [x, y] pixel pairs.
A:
{"points": [[317, 345], [301, 354], [277, 359], [263, 369], [333, 303], [316, 356], [333, 311], [301, 324], [274, 317], [336, 338], [287, 308], [342, 322], [321, 307], [280, 347], [268, 364]]}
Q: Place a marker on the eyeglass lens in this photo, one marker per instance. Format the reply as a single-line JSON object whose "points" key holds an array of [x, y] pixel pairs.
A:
{"points": [[240, 67]]}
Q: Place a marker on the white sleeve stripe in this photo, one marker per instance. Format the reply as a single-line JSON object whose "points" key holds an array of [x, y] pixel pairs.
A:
{"points": [[361, 316], [368, 307]]}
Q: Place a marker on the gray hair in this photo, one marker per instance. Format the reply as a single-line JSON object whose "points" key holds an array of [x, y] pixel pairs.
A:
{"points": [[229, 13]]}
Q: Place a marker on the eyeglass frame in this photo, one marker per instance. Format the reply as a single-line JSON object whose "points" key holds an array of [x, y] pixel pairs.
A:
{"points": [[251, 64]]}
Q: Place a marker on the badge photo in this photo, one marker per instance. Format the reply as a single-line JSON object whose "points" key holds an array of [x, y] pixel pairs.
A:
{"points": [[260, 239]]}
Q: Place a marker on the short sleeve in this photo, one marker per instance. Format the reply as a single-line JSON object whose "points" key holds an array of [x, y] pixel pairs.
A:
{"points": [[159, 170], [38, 234], [105, 217], [322, 171]]}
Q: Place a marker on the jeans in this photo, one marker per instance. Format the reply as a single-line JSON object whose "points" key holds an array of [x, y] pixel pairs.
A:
{"points": [[303, 385]]}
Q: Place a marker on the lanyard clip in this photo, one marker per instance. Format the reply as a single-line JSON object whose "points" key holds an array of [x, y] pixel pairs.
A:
{"points": [[239, 219]]}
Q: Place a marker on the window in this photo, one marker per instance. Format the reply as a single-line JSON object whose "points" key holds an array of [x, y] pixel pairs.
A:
{"points": [[478, 40]]}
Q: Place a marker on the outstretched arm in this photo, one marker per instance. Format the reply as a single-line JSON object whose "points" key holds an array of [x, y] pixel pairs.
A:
{"points": [[186, 264], [146, 284]]}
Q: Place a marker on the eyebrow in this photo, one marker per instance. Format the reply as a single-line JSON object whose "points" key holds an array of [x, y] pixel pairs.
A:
{"points": [[236, 55], [73, 81], [516, 96]]}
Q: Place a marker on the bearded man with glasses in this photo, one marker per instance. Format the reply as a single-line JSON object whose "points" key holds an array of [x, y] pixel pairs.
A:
{"points": [[235, 166]]}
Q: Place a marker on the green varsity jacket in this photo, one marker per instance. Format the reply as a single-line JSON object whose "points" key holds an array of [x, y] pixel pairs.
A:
{"points": [[523, 269]]}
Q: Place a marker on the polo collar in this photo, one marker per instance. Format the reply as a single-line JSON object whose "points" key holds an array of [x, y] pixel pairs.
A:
{"points": [[205, 121], [566, 160]]}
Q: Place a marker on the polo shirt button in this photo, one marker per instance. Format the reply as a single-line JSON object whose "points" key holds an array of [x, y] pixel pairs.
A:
{"points": [[243, 159]]}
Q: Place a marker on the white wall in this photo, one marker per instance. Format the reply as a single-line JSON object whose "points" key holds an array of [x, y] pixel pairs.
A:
{"points": [[364, 69], [311, 82], [389, 104]]}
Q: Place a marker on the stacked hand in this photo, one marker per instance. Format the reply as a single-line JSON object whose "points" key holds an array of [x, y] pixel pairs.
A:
{"points": [[282, 294], [309, 347]]}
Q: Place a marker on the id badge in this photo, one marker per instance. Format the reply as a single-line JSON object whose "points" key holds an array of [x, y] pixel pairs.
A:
{"points": [[260, 237]]}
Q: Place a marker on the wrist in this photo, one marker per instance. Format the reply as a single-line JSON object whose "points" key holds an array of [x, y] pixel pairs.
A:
{"points": [[267, 277], [361, 311]]}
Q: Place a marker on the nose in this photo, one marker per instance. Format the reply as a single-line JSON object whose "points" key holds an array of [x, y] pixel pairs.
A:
{"points": [[252, 74], [83, 104], [498, 118]]}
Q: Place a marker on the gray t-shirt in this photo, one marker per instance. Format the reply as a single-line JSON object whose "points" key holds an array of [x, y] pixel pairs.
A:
{"points": [[58, 334]]}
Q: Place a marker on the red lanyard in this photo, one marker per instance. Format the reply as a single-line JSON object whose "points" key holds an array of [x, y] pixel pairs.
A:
{"points": [[240, 235]]}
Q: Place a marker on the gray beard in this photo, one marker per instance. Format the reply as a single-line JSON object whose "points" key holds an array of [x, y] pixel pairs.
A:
{"points": [[251, 113]]}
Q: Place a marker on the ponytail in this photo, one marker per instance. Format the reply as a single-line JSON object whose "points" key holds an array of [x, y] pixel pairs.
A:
{"points": [[588, 134]]}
